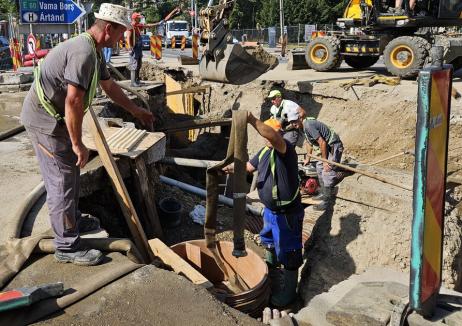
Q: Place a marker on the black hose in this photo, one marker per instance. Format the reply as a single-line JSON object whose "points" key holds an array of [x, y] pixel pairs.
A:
{"points": [[11, 132]]}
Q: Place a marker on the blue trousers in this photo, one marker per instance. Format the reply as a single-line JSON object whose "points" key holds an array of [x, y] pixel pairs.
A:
{"points": [[283, 232], [107, 54]]}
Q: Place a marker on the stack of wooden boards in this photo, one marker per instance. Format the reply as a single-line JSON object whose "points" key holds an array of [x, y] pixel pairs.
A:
{"points": [[125, 139]]}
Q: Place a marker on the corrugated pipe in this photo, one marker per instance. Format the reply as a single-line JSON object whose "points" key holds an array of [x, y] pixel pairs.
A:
{"points": [[201, 192]]}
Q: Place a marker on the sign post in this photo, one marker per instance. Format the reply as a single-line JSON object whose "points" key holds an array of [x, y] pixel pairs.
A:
{"points": [[50, 11], [431, 152]]}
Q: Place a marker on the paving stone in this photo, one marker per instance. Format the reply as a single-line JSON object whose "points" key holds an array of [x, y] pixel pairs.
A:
{"points": [[369, 303], [12, 78]]}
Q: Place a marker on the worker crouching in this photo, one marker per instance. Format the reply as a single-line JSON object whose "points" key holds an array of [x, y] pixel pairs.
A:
{"points": [[278, 189], [324, 140]]}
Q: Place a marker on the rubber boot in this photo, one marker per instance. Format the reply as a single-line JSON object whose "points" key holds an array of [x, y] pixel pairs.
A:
{"points": [[270, 257], [133, 82], [326, 201], [284, 289]]}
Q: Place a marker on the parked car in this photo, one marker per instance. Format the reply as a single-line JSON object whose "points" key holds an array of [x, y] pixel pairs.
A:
{"points": [[145, 39]]}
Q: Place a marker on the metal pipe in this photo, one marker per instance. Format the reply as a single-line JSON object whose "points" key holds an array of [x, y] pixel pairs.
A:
{"points": [[202, 193], [188, 162]]}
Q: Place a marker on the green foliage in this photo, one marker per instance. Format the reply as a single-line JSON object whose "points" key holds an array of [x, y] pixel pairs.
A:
{"points": [[7, 7]]}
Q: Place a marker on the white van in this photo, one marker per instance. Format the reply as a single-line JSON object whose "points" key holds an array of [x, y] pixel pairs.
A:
{"points": [[177, 28]]}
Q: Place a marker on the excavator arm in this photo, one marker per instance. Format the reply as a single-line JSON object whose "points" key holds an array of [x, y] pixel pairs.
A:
{"points": [[222, 60]]}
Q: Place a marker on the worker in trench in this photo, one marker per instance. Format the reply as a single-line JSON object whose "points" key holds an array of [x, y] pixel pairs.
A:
{"points": [[135, 44], [52, 113], [280, 109], [278, 189], [324, 141]]}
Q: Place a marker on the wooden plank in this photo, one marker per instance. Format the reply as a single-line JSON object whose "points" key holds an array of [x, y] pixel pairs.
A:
{"points": [[148, 197], [129, 212], [175, 102], [178, 264], [196, 124], [195, 89]]}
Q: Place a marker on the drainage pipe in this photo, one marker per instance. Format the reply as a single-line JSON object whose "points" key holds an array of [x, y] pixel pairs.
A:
{"points": [[202, 193], [11, 132], [188, 162], [23, 210], [125, 246]]}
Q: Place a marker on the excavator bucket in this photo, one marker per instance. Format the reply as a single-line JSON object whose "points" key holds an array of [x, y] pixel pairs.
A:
{"points": [[238, 66]]}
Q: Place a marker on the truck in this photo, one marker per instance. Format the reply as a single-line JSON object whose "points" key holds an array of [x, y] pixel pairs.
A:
{"points": [[177, 29]]}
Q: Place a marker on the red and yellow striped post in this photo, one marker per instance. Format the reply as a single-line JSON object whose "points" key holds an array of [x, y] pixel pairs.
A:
{"points": [[156, 46], [431, 149], [183, 43], [121, 44], [195, 46], [38, 46], [173, 43]]}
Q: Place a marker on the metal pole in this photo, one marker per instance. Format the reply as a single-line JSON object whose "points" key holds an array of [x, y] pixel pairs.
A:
{"points": [[281, 18], [195, 15], [79, 21], [192, 17]]}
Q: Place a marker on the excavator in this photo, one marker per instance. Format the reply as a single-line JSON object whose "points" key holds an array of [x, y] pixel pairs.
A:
{"points": [[371, 28], [222, 60]]}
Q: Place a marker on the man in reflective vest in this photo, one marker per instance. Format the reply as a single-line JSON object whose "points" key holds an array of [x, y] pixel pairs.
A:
{"points": [[64, 86], [278, 189], [322, 139]]}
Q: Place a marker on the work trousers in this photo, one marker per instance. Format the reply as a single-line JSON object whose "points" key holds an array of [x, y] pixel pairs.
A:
{"points": [[335, 155], [62, 182], [283, 232]]}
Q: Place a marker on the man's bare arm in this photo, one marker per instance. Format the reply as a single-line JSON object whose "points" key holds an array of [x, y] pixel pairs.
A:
{"points": [[268, 133], [74, 113], [118, 96]]}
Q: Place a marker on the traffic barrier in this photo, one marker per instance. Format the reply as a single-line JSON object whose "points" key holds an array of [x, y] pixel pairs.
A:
{"points": [[156, 46], [183, 43], [173, 43], [38, 55], [38, 46], [121, 44], [317, 34], [195, 46]]}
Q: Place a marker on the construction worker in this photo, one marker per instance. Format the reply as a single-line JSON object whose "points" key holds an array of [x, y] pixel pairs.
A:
{"points": [[322, 139], [280, 109], [65, 84], [135, 44], [278, 189]]}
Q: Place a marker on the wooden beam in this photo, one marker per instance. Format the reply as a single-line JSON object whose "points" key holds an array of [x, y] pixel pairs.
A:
{"points": [[147, 197], [196, 89], [178, 264], [129, 212], [196, 124]]}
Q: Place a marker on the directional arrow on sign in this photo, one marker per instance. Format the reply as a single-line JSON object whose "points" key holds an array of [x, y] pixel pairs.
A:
{"points": [[50, 11]]}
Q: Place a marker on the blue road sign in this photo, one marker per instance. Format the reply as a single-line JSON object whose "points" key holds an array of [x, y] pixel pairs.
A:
{"points": [[49, 11]]}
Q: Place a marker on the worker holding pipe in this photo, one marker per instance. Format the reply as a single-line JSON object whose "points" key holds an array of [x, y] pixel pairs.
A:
{"points": [[278, 189], [280, 109], [52, 113], [325, 140], [135, 44]]}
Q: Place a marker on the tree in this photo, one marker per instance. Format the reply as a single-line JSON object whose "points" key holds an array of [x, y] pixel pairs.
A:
{"points": [[7, 7]]}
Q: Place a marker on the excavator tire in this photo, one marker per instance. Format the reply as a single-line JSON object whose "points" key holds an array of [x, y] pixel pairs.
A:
{"points": [[323, 53], [405, 56], [362, 62]]}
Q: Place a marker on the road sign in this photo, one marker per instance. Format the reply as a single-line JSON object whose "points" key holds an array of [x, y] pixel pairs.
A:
{"points": [[49, 11], [31, 44]]}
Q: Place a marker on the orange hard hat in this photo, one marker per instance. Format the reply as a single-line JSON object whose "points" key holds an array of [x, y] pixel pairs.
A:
{"points": [[136, 15], [273, 123]]}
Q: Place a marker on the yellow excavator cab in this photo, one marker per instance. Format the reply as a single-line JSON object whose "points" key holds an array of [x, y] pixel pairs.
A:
{"points": [[353, 10]]}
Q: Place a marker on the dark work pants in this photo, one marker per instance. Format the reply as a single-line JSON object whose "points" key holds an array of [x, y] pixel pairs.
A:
{"points": [[62, 182], [335, 154]]}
